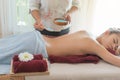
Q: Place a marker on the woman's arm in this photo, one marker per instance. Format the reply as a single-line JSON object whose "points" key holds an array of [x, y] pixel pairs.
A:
{"points": [[36, 15], [76, 3], [38, 24], [107, 56], [75, 7], [72, 10], [34, 6]]}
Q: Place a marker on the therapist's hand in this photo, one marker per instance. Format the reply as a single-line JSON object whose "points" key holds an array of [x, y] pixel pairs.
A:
{"points": [[38, 25], [67, 17]]}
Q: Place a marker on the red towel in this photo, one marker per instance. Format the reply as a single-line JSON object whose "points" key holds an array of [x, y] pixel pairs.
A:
{"points": [[74, 59], [111, 51], [35, 65], [77, 58]]}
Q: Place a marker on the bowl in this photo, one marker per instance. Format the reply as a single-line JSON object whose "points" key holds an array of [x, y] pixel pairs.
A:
{"points": [[61, 21]]}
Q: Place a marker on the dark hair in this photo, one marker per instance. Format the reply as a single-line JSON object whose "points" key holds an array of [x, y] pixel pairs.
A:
{"points": [[114, 30]]}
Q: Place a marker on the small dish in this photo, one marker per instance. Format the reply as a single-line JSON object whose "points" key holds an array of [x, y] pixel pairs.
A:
{"points": [[61, 21]]}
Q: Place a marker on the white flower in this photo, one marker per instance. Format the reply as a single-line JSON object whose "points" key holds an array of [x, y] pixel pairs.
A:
{"points": [[25, 56]]}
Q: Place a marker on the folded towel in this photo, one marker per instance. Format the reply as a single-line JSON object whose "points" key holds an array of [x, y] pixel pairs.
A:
{"points": [[74, 59], [89, 58], [30, 66], [38, 64]]}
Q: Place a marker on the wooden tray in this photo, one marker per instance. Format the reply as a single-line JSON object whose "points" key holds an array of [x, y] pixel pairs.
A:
{"points": [[29, 73]]}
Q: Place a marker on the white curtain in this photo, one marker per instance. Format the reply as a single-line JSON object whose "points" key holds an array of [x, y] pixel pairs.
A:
{"points": [[7, 17], [14, 17], [82, 19], [24, 19]]}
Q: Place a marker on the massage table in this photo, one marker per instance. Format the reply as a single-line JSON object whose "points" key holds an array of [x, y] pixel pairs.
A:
{"points": [[81, 71]]}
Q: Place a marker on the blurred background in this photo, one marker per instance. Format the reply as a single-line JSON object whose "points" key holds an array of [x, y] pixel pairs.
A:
{"points": [[94, 16]]}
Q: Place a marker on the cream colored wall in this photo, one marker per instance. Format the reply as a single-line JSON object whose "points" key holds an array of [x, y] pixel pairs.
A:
{"points": [[82, 19]]}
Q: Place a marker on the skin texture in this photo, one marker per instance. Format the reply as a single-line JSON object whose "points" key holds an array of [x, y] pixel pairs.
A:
{"points": [[80, 43]]}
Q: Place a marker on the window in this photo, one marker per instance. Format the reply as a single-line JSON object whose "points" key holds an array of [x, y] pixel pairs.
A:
{"points": [[107, 14]]}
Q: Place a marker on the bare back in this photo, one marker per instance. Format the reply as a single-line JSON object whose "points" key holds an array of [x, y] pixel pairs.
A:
{"points": [[78, 43]]}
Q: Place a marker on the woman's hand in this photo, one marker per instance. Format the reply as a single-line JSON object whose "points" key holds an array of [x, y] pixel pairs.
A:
{"points": [[38, 25], [67, 17]]}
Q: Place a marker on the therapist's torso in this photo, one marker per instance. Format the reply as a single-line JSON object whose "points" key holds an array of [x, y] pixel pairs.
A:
{"points": [[49, 10]]}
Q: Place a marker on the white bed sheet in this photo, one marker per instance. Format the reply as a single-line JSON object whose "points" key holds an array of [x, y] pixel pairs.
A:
{"points": [[82, 71]]}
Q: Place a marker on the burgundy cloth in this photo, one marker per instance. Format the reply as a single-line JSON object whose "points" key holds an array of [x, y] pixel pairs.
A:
{"points": [[111, 51], [77, 58], [35, 65], [74, 59]]}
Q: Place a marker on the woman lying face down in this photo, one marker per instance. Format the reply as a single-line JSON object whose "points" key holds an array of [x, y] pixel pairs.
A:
{"points": [[78, 43], [81, 43]]}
